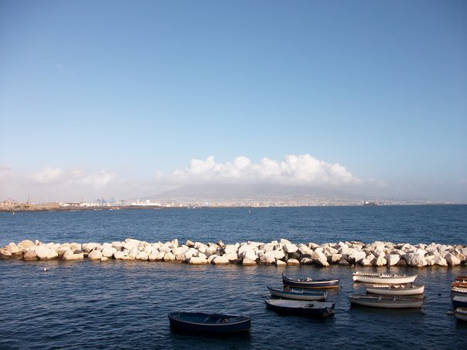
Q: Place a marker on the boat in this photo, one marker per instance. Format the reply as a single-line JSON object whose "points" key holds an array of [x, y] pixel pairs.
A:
{"points": [[459, 287], [395, 289], [208, 323], [310, 283], [393, 302], [301, 307], [297, 294], [461, 313], [459, 301], [383, 278]]}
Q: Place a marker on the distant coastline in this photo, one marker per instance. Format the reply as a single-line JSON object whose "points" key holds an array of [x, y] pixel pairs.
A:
{"points": [[35, 207]]}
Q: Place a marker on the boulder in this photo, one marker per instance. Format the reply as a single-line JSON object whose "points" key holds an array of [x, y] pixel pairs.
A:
{"points": [[108, 251], [267, 258], [393, 259], [189, 243], [369, 260], [70, 256], [248, 262], [452, 260], [292, 262], [169, 257], [380, 261], [289, 248], [24, 245], [30, 255], [95, 255], [415, 259], [156, 256], [221, 260], [440, 261], [319, 258], [280, 263], [142, 255], [196, 260], [45, 253]]}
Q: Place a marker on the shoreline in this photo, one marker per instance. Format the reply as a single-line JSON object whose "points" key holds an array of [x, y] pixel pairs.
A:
{"points": [[278, 253]]}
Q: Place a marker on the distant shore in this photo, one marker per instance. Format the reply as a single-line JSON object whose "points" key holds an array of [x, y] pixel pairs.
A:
{"points": [[24, 207]]}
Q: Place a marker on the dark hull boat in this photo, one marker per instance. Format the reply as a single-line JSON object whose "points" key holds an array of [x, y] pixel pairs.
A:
{"points": [[298, 294], [198, 322], [310, 283], [300, 307], [459, 301]]}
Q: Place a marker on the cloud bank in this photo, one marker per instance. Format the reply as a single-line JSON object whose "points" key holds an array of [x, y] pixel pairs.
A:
{"points": [[294, 170]]}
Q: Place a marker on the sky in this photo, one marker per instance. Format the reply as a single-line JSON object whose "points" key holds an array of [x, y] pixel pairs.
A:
{"points": [[126, 99]]}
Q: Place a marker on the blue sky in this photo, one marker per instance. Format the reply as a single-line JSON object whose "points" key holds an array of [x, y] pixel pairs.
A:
{"points": [[137, 88]]}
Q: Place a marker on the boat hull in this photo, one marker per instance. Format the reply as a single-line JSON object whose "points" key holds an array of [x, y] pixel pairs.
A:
{"points": [[396, 291], [177, 323], [298, 296], [459, 301], [387, 303], [384, 280], [318, 312], [461, 314], [312, 284]]}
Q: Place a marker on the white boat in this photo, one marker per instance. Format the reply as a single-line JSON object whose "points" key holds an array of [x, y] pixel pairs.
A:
{"points": [[301, 307], [395, 289], [395, 302], [298, 294], [459, 290], [383, 278], [461, 313]]}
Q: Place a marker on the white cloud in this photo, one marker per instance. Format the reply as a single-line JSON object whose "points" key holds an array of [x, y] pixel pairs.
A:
{"points": [[294, 169], [59, 176]]}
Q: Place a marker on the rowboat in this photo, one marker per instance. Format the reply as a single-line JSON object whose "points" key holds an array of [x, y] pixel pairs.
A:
{"points": [[394, 302], [310, 283], [208, 323], [384, 278], [301, 307], [297, 294], [459, 287], [459, 301], [461, 313], [396, 289]]}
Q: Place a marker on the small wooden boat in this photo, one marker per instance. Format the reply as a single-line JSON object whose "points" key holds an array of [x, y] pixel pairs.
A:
{"points": [[297, 294], [301, 307], [208, 323], [383, 278], [459, 301], [395, 289], [394, 302], [459, 287], [310, 283], [461, 313]]}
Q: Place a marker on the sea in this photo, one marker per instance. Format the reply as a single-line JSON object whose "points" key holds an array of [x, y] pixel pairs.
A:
{"points": [[124, 304]]}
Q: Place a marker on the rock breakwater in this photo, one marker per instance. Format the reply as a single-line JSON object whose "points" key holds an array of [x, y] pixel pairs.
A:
{"points": [[279, 253]]}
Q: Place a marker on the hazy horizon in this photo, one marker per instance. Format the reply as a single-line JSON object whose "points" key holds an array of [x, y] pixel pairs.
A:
{"points": [[117, 99]]}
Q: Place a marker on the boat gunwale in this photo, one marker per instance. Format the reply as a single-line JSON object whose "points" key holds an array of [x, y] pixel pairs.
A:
{"points": [[245, 319]]}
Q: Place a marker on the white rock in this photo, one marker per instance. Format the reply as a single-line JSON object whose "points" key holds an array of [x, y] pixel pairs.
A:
{"points": [[335, 258], [44, 253], [196, 260], [30, 254], [369, 260], [415, 259], [70, 256], [292, 262], [452, 260], [156, 256], [319, 258], [281, 263], [142, 255], [248, 262], [169, 257], [380, 261], [231, 248], [108, 251], [267, 258], [440, 261], [95, 255], [393, 259], [290, 248], [220, 260]]}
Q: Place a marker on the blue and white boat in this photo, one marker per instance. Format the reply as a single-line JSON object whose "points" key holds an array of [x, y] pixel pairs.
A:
{"points": [[311, 283], [301, 307], [297, 294], [199, 322], [459, 301]]}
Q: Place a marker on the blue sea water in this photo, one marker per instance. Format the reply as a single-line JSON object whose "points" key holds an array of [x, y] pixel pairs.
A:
{"points": [[120, 304]]}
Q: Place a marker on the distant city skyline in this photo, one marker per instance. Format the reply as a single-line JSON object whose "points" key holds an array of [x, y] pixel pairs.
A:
{"points": [[121, 99]]}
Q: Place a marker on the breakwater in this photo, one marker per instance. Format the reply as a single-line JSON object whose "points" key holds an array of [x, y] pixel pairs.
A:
{"points": [[279, 253]]}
